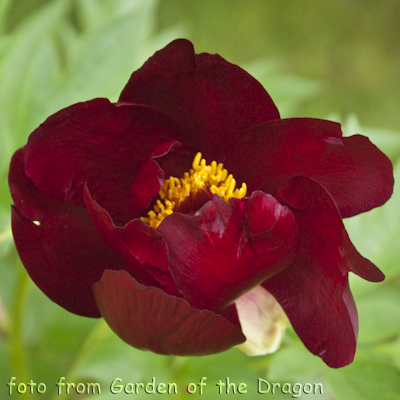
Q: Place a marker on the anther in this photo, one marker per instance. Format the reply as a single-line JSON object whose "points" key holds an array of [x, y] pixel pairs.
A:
{"points": [[196, 160], [202, 176]]}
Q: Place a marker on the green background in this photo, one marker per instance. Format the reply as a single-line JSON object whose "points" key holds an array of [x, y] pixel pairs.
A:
{"points": [[338, 60]]}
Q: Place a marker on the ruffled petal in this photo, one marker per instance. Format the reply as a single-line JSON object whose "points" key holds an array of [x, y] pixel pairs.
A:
{"points": [[147, 318], [227, 249], [143, 248], [313, 290], [98, 143], [58, 244], [210, 99], [355, 172], [146, 186], [149, 180]]}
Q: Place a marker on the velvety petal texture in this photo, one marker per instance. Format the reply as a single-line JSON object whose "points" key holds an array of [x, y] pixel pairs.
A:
{"points": [[98, 143], [143, 249], [115, 214], [279, 150], [228, 248], [58, 244], [323, 314], [212, 100], [149, 319]]}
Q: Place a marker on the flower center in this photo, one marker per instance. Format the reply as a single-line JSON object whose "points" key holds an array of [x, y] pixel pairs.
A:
{"points": [[202, 178]]}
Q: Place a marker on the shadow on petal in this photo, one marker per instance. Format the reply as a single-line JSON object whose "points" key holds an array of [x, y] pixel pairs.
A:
{"points": [[314, 290], [149, 319], [216, 256], [58, 244]]}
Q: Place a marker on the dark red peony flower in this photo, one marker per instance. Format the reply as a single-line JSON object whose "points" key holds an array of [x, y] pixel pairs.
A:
{"points": [[118, 215]]}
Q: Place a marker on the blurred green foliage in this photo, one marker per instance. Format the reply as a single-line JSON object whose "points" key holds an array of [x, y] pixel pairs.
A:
{"points": [[352, 47], [315, 58]]}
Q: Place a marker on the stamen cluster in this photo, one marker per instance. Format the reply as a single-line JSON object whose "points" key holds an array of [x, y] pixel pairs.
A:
{"points": [[213, 178]]}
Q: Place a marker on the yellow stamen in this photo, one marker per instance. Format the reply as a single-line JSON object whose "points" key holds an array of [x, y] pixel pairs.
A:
{"points": [[202, 176]]}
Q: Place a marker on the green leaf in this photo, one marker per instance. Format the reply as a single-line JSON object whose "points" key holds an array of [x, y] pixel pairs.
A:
{"points": [[287, 90], [7, 144], [28, 67], [393, 350], [94, 12], [386, 140], [103, 58], [376, 235], [6, 238], [39, 80], [104, 357], [379, 315], [28, 71], [4, 7], [365, 380], [106, 353], [223, 368], [293, 363]]}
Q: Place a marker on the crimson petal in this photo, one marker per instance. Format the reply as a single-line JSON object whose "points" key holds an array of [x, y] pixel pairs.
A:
{"points": [[147, 318], [145, 187], [227, 249], [211, 99], [356, 173], [98, 143], [149, 180], [58, 244], [314, 290], [353, 261], [143, 248]]}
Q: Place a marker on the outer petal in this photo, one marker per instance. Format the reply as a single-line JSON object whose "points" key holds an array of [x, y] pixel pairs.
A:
{"points": [[353, 261], [58, 244], [356, 173], [98, 143], [228, 249], [143, 248], [210, 99], [313, 291], [147, 318]]}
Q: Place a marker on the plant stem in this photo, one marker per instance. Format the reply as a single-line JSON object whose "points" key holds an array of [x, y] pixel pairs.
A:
{"points": [[177, 364], [4, 322], [16, 350], [93, 338]]}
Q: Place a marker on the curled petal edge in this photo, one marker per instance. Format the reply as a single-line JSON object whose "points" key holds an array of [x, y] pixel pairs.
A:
{"points": [[149, 319], [149, 180], [263, 322], [142, 247], [314, 290], [238, 253]]}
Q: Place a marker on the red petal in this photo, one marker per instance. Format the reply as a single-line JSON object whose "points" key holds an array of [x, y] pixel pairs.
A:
{"points": [[210, 99], [146, 186], [64, 255], [98, 143], [142, 247], [228, 249], [149, 180], [353, 261], [356, 173], [147, 318], [314, 291]]}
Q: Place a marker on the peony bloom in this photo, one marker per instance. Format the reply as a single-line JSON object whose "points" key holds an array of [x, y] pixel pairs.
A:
{"points": [[183, 213]]}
